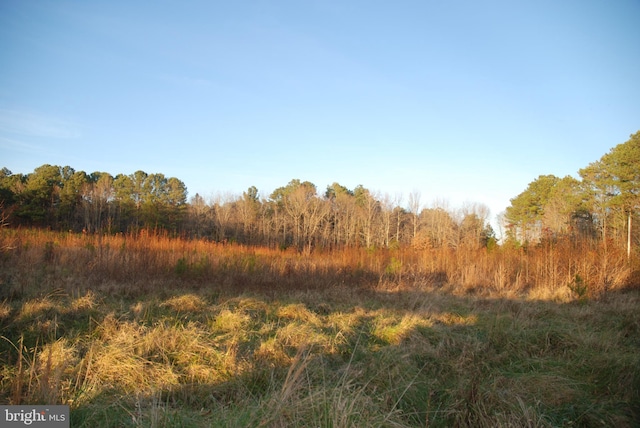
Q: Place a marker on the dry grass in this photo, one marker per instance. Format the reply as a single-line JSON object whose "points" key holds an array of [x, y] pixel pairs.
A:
{"points": [[185, 303], [152, 331], [136, 263], [5, 310]]}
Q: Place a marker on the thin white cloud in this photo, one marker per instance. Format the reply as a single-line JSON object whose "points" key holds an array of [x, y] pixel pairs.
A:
{"points": [[31, 124], [13, 144]]}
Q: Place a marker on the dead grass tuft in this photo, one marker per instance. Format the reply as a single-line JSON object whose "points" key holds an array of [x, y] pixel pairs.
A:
{"points": [[185, 303], [5, 310], [298, 312], [56, 365], [452, 318], [36, 307], [133, 357], [83, 303], [394, 331], [271, 353], [230, 322], [298, 335], [138, 309]]}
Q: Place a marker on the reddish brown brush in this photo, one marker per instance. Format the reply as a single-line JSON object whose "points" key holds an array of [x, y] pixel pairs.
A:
{"points": [[132, 263]]}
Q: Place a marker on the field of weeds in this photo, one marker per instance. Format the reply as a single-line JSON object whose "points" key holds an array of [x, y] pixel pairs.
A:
{"points": [[152, 331]]}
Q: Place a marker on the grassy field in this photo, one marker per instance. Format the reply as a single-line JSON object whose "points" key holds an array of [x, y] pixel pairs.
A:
{"points": [[151, 331]]}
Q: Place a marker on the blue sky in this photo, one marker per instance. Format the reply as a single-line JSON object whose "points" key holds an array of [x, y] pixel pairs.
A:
{"points": [[463, 101]]}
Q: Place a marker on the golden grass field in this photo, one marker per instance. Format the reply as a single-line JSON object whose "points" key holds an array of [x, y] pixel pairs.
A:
{"points": [[153, 331]]}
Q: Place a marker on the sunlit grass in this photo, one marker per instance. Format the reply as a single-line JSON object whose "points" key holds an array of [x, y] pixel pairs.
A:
{"points": [[496, 363], [185, 303]]}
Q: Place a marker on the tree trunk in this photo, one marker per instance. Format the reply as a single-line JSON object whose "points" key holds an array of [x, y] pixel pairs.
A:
{"points": [[629, 238]]}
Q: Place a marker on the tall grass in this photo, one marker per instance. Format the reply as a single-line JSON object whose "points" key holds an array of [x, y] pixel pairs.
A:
{"points": [[147, 330], [137, 263]]}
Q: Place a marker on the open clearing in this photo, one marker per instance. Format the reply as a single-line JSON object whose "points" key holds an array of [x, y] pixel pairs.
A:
{"points": [[300, 347]]}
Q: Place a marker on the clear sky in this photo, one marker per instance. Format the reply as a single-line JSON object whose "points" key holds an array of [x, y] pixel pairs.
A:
{"points": [[463, 101]]}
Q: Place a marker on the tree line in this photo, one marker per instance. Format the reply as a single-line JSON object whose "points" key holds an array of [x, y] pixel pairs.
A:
{"points": [[601, 206], [295, 215], [65, 199]]}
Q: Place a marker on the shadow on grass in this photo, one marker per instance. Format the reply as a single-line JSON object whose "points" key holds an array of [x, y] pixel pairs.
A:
{"points": [[303, 349]]}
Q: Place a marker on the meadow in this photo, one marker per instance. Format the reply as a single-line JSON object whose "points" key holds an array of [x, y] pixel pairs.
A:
{"points": [[153, 331]]}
